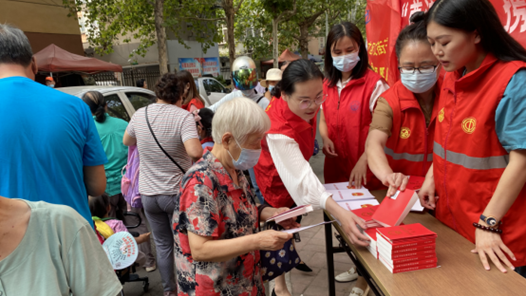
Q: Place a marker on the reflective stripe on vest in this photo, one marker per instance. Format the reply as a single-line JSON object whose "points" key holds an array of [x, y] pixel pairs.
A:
{"points": [[469, 162], [407, 156]]}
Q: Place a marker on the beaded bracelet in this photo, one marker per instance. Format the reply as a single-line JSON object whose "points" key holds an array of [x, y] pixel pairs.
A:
{"points": [[496, 230]]}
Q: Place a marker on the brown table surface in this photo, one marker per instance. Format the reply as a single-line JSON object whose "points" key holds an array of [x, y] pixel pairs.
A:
{"points": [[460, 271]]}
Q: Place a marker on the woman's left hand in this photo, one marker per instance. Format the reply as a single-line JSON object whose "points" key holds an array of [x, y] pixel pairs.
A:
{"points": [[359, 173], [489, 244], [289, 223]]}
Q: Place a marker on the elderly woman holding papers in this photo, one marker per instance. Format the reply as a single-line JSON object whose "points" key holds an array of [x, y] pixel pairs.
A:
{"points": [[283, 173], [216, 219]]}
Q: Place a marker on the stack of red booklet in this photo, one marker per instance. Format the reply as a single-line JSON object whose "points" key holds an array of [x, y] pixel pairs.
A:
{"points": [[406, 247]]}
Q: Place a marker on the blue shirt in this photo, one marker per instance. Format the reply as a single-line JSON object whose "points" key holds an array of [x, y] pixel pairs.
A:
{"points": [[46, 138], [111, 132], [510, 116]]}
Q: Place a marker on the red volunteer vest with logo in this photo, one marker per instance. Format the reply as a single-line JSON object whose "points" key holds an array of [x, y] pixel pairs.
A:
{"points": [[409, 149], [468, 158], [283, 122], [348, 117]]}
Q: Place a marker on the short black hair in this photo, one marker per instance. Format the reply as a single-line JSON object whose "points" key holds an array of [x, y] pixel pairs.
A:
{"points": [[140, 82], [14, 46], [206, 120], [298, 71], [98, 205]]}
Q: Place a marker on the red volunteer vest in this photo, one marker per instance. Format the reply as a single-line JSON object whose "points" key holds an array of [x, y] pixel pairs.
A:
{"points": [[468, 158], [409, 149], [283, 122], [348, 118]]}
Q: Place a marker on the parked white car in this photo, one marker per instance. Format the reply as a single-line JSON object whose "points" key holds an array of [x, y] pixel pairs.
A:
{"points": [[122, 101], [211, 90]]}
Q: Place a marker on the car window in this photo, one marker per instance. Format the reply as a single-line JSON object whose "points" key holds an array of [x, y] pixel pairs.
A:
{"points": [[139, 100], [213, 86], [116, 108]]}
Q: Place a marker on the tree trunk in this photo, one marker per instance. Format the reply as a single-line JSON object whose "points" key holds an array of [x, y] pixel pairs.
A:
{"points": [[229, 14], [160, 31], [304, 40], [275, 53]]}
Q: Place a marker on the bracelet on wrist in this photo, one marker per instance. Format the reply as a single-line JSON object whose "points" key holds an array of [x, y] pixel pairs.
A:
{"points": [[486, 228]]}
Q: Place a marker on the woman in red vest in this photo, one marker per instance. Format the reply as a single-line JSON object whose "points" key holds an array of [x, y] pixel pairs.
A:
{"points": [[479, 158], [283, 172], [352, 90], [400, 141]]}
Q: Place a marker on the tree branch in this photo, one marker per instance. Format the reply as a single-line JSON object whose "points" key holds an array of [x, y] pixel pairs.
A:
{"points": [[238, 6], [288, 14], [203, 19]]}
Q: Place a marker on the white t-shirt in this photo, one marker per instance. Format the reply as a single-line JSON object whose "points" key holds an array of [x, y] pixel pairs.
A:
{"points": [[260, 99]]}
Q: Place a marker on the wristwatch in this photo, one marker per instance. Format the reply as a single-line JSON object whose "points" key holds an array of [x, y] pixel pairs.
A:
{"points": [[491, 221]]}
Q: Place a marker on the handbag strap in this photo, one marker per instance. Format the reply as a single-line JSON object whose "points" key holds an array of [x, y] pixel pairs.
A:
{"points": [[158, 144]]}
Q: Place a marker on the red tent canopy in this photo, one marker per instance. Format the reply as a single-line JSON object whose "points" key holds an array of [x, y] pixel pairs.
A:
{"points": [[56, 59], [286, 55]]}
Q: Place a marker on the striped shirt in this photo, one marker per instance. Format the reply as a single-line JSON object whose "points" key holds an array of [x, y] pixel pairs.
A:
{"points": [[172, 126]]}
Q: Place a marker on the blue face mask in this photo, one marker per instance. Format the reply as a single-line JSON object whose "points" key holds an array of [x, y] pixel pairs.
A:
{"points": [[347, 62], [247, 159], [270, 87], [419, 82]]}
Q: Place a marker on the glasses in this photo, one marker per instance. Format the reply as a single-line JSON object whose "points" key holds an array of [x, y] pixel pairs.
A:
{"points": [[305, 104], [421, 70]]}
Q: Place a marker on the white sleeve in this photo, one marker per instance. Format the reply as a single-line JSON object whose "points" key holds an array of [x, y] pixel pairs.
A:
{"points": [[230, 96], [295, 172], [381, 87], [263, 103]]}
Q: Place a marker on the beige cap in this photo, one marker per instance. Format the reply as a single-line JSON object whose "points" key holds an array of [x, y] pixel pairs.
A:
{"points": [[273, 74]]}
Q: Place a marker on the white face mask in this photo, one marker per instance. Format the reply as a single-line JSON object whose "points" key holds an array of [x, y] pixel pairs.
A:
{"points": [[247, 159], [347, 62], [419, 83]]}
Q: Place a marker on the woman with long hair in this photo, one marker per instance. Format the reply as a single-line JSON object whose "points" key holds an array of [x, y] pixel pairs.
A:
{"points": [[351, 91], [479, 157], [191, 98]]}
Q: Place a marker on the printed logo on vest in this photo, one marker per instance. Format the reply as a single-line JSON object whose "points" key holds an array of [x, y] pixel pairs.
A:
{"points": [[469, 125], [355, 105], [405, 133], [441, 115]]}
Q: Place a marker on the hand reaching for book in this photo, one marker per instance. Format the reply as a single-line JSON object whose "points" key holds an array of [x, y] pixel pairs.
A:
{"points": [[359, 173], [489, 244], [395, 181], [427, 192]]}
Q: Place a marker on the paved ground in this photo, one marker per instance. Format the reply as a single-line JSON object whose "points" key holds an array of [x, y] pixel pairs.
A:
{"points": [[311, 250]]}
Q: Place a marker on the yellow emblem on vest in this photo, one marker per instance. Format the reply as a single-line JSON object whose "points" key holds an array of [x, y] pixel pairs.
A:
{"points": [[469, 125], [405, 133], [441, 115]]}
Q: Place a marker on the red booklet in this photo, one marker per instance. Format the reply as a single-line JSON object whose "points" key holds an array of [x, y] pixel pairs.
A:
{"points": [[366, 214], [393, 210], [391, 256], [418, 248], [417, 259], [409, 268], [405, 245], [399, 234], [415, 183]]}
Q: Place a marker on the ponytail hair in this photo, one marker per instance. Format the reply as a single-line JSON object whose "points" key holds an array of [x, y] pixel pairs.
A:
{"points": [[97, 104], [416, 31]]}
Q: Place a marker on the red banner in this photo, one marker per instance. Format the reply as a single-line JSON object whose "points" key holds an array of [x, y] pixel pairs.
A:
{"points": [[384, 19]]}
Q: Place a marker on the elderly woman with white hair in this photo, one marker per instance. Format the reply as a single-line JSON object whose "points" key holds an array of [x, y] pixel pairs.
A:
{"points": [[216, 221]]}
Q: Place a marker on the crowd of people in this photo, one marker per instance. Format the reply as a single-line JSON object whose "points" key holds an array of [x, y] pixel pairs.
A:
{"points": [[210, 175]]}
